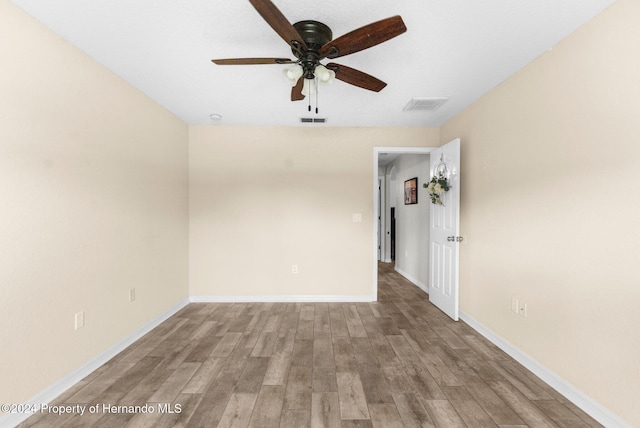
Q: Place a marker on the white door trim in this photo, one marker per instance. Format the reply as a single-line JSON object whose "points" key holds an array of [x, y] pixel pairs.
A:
{"points": [[376, 202]]}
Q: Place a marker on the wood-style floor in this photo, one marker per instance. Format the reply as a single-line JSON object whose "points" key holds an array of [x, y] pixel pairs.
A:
{"points": [[398, 362]]}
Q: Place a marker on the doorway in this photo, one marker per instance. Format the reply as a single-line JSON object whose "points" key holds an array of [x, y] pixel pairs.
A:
{"points": [[392, 234], [382, 211]]}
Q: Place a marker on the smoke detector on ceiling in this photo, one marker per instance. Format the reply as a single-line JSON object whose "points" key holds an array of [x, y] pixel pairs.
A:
{"points": [[425, 104]]}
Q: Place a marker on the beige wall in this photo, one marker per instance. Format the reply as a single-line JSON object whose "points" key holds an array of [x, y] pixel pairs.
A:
{"points": [[93, 185], [264, 199], [550, 208], [93, 180]]}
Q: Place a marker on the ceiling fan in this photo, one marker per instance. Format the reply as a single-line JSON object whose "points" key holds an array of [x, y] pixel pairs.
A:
{"points": [[312, 41]]}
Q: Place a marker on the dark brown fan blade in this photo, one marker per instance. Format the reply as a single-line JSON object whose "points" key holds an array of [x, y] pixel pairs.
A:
{"points": [[279, 23], [356, 77], [364, 37], [250, 61], [296, 91]]}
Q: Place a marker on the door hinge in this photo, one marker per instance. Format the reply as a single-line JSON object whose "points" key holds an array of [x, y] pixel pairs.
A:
{"points": [[454, 238]]}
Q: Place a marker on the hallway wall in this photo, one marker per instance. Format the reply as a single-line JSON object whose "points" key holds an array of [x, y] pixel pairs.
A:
{"points": [[412, 221]]}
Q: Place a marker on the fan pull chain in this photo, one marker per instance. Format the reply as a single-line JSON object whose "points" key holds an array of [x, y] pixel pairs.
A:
{"points": [[317, 92]]}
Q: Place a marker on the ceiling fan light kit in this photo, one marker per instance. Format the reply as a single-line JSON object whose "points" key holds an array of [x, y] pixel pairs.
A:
{"points": [[312, 41], [293, 73], [324, 74]]}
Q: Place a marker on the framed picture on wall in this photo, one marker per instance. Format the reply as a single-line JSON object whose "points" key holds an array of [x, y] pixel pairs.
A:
{"points": [[411, 191]]}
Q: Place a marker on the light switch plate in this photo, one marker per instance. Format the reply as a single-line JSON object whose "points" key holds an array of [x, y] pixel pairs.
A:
{"points": [[79, 320]]}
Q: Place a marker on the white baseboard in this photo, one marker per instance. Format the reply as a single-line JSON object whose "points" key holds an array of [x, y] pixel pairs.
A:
{"points": [[281, 299], [55, 390], [415, 281], [588, 405]]}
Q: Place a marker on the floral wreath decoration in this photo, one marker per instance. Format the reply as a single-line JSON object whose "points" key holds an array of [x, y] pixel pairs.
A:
{"points": [[438, 185]]}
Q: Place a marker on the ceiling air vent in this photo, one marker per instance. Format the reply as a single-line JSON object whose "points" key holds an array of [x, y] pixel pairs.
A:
{"points": [[425, 104], [313, 119]]}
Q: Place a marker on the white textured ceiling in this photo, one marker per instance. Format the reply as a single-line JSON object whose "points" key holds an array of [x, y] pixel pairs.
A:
{"points": [[458, 49]]}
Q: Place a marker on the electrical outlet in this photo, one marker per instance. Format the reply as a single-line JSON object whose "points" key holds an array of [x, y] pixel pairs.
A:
{"points": [[132, 294], [79, 320], [523, 310], [294, 269], [515, 306]]}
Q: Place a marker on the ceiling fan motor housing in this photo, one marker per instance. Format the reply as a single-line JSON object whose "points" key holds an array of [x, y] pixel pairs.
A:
{"points": [[315, 35]]}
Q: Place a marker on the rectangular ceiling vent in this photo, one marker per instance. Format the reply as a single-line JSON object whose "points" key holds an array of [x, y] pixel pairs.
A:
{"points": [[313, 119], [425, 104]]}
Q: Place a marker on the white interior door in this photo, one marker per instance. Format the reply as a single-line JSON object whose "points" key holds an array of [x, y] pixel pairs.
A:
{"points": [[444, 232]]}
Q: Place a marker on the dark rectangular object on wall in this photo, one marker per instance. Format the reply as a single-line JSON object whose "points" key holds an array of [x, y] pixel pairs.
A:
{"points": [[411, 191]]}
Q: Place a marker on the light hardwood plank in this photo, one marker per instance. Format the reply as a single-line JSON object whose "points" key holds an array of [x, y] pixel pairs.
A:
{"points": [[526, 409], [412, 411], [265, 344], [299, 388], [383, 351], [302, 352], [325, 410], [225, 346], [204, 376], [560, 414], [323, 351], [397, 378], [280, 361], [354, 323], [385, 416], [375, 385], [337, 321], [175, 383], [353, 403], [268, 407], [212, 405], [444, 414], [467, 407], [321, 323], [252, 376], [324, 379], [518, 377], [238, 412], [178, 414], [344, 358], [500, 412], [295, 419]]}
